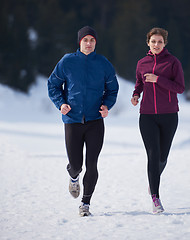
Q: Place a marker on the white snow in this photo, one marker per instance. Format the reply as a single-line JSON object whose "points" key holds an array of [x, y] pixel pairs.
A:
{"points": [[34, 198]]}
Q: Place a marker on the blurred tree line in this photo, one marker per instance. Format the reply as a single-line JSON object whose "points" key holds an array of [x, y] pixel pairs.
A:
{"points": [[35, 34]]}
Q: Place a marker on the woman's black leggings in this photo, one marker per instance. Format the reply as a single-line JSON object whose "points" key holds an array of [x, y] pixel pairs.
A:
{"points": [[157, 131], [92, 135]]}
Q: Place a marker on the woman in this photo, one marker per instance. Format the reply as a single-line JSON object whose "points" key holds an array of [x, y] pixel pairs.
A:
{"points": [[84, 87], [160, 77]]}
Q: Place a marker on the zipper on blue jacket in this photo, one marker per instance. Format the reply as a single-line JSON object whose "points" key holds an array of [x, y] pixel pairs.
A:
{"points": [[84, 91]]}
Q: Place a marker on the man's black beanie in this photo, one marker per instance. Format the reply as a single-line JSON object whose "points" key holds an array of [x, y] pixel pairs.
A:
{"points": [[86, 31]]}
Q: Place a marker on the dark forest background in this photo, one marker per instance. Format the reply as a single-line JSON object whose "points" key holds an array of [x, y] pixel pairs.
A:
{"points": [[35, 34]]}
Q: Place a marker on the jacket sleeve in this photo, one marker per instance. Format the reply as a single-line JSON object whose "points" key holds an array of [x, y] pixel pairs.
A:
{"points": [[111, 87], [177, 85], [55, 85], [139, 83]]}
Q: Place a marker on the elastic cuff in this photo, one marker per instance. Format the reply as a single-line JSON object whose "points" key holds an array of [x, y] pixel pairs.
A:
{"points": [[75, 179], [136, 94]]}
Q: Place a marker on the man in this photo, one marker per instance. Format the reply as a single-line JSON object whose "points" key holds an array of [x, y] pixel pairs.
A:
{"points": [[83, 86]]}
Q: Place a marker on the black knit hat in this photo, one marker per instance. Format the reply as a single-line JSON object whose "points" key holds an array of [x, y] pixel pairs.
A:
{"points": [[86, 31]]}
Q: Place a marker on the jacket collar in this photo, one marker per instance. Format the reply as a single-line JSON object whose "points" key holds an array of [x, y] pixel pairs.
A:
{"points": [[82, 55], [162, 53]]}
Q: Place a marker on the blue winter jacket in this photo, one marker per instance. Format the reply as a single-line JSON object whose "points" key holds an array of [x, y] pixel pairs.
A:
{"points": [[85, 82]]}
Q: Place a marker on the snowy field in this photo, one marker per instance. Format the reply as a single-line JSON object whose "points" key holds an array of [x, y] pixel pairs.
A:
{"points": [[34, 198]]}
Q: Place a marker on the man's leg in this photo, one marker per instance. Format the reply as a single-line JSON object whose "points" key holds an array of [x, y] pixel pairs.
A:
{"points": [[74, 145], [94, 138]]}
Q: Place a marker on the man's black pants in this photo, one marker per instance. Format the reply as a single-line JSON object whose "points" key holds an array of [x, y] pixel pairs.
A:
{"points": [[90, 134]]}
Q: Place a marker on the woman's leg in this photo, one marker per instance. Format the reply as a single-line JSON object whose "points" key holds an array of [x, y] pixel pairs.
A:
{"points": [[168, 126], [150, 133], [157, 132]]}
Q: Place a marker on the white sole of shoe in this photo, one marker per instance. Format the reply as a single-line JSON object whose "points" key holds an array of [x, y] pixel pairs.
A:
{"points": [[84, 214], [159, 211]]}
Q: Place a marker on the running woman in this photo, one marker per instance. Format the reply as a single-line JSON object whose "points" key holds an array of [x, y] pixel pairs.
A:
{"points": [[160, 77]]}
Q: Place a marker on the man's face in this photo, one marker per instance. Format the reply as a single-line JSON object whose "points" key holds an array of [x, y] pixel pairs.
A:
{"points": [[87, 44]]}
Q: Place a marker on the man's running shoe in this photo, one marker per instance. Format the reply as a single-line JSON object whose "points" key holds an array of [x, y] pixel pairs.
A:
{"points": [[84, 210], [74, 187]]}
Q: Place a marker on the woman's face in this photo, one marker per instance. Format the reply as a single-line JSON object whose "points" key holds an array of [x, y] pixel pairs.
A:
{"points": [[156, 44]]}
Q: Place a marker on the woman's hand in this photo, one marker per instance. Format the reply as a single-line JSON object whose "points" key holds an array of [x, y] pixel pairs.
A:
{"points": [[104, 111], [150, 77], [65, 108], [135, 100]]}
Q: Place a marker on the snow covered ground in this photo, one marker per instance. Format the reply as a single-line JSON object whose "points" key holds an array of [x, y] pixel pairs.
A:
{"points": [[34, 198]]}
